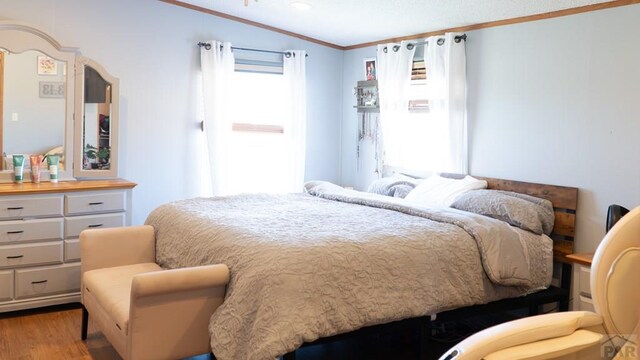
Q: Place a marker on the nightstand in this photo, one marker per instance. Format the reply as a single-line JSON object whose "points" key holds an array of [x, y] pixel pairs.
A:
{"points": [[581, 286]]}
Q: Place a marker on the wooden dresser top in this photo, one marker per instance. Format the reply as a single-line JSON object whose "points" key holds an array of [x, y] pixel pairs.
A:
{"points": [[64, 186]]}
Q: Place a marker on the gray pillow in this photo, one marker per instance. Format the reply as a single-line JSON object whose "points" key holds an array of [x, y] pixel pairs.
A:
{"points": [[396, 185], [400, 190], [524, 211]]}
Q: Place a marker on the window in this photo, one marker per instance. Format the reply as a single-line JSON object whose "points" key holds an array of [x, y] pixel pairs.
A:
{"points": [[418, 92], [258, 145], [417, 138]]}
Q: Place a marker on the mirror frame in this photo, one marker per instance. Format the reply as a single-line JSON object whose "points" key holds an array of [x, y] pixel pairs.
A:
{"points": [[18, 38], [78, 171]]}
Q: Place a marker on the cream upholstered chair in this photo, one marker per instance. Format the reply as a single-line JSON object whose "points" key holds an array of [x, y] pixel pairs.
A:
{"points": [[146, 312], [608, 333]]}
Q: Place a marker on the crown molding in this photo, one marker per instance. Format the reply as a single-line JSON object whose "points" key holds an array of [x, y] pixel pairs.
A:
{"points": [[490, 24], [253, 23]]}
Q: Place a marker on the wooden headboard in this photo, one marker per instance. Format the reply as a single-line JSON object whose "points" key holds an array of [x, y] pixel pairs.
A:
{"points": [[565, 203]]}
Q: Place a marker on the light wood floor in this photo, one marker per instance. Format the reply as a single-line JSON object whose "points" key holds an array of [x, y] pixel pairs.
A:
{"points": [[51, 333]]}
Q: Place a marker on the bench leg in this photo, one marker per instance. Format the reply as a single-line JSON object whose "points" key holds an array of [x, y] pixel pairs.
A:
{"points": [[85, 323]]}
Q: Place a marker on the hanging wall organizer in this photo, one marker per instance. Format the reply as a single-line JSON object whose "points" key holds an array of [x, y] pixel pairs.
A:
{"points": [[367, 96], [368, 107]]}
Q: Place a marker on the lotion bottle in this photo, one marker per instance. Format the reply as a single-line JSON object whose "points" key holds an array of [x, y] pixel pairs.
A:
{"points": [[18, 167], [52, 161]]}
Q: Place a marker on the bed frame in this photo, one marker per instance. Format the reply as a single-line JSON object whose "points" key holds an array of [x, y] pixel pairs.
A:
{"points": [[565, 203]]}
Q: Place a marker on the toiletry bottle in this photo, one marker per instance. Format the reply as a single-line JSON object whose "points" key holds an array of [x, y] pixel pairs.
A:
{"points": [[36, 163], [52, 161], [18, 167]]}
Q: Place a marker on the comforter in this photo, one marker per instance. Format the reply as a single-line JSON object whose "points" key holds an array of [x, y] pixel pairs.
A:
{"points": [[305, 266]]}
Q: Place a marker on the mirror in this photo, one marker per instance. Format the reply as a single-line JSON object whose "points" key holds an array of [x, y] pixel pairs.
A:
{"points": [[98, 105], [37, 96], [33, 97], [44, 86]]}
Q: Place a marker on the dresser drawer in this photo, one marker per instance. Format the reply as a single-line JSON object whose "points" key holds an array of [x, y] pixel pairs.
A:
{"points": [[20, 207], [30, 254], [74, 225], [71, 250], [585, 281], [28, 230], [586, 304], [47, 280], [6, 285], [94, 203]]}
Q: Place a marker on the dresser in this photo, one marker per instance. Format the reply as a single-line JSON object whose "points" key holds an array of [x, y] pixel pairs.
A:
{"points": [[581, 287], [39, 229]]}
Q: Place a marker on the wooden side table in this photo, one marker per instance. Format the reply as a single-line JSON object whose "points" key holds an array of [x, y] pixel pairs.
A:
{"points": [[581, 286], [581, 258]]}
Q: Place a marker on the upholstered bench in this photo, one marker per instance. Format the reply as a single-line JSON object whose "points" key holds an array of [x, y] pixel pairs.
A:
{"points": [[144, 311]]}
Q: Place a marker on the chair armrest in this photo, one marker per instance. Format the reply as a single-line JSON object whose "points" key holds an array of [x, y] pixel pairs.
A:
{"points": [[179, 280], [522, 331], [101, 248], [582, 344], [177, 305]]}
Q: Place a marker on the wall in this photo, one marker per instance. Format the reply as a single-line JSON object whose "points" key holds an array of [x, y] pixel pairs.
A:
{"points": [[556, 101], [151, 47], [552, 101]]}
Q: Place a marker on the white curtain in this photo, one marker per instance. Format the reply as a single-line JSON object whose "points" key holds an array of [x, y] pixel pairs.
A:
{"points": [[217, 64], [295, 128], [394, 76], [445, 61]]}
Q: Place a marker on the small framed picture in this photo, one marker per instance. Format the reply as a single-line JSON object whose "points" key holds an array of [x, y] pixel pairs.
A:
{"points": [[47, 66], [370, 69]]}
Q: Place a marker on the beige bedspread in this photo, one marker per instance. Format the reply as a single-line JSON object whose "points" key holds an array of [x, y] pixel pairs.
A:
{"points": [[304, 266]]}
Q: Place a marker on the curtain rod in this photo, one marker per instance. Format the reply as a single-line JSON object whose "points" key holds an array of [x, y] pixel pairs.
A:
{"points": [[285, 53], [410, 46]]}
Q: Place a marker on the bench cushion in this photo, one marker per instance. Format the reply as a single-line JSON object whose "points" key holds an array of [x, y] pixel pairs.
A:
{"points": [[111, 288]]}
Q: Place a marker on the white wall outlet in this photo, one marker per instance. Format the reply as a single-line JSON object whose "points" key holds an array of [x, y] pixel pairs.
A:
{"points": [[14, 116]]}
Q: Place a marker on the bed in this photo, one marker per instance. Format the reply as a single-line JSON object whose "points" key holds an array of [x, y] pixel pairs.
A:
{"points": [[310, 266]]}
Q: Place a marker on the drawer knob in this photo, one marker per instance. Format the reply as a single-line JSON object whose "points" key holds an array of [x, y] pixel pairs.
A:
{"points": [[95, 225], [96, 203], [15, 208], [39, 282], [15, 232], [15, 257]]}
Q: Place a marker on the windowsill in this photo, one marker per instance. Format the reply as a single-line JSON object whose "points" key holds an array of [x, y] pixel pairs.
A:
{"points": [[242, 127]]}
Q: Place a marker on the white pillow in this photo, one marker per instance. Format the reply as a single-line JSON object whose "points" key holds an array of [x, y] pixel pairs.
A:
{"points": [[437, 191]]}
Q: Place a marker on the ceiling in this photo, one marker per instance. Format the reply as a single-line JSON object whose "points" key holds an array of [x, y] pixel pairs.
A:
{"points": [[351, 22]]}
